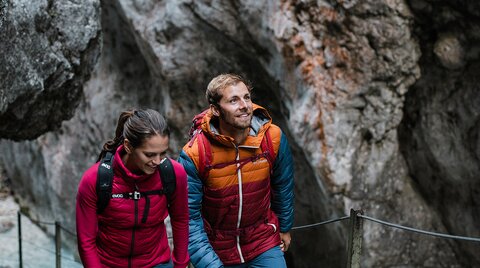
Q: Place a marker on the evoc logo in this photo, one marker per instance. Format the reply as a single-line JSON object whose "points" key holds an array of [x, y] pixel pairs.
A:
{"points": [[105, 165], [117, 195]]}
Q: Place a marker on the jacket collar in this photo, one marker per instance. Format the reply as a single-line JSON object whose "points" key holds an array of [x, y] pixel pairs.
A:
{"points": [[122, 171]]}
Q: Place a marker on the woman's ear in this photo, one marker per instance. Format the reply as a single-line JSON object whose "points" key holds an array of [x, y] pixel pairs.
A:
{"points": [[127, 146]]}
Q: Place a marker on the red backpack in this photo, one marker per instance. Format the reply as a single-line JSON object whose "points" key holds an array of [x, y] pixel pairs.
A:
{"points": [[205, 153]]}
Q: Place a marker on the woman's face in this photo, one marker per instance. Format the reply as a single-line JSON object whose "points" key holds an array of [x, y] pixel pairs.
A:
{"points": [[146, 157]]}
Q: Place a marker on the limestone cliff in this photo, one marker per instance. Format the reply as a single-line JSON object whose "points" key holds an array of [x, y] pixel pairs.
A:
{"points": [[48, 49]]}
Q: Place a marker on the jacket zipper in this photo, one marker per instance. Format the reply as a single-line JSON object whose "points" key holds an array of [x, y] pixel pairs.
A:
{"points": [[240, 205], [132, 244]]}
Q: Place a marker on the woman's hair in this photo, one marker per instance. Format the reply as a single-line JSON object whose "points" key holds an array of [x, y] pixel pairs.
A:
{"points": [[136, 126], [220, 82]]}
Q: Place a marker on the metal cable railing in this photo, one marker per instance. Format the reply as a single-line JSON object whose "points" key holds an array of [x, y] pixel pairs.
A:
{"points": [[394, 225], [355, 225], [473, 239], [57, 251], [320, 223]]}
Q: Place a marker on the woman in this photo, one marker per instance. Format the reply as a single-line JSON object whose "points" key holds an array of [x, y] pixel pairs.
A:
{"points": [[130, 231]]}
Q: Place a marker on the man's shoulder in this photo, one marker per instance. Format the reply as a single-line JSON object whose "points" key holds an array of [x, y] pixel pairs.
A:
{"points": [[191, 151], [191, 147], [275, 128], [275, 132]]}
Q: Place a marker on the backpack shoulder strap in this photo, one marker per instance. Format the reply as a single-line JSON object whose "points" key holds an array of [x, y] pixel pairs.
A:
{"points": [[167, 175], [104, 182], [204, 151], [204, 156]]}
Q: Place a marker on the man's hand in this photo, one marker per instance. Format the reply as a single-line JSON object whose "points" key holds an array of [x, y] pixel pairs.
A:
{"points": [[286, 238]]}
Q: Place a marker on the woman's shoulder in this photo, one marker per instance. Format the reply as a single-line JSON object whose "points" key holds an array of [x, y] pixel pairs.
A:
{"points": [[90, 175], [179, 169]]}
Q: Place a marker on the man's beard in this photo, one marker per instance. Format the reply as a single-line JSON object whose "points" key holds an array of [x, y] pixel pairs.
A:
{"points": [[242, 125]]}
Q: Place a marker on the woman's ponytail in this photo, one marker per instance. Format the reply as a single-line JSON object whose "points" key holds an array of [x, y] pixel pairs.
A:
{"points": [[112, 145]]}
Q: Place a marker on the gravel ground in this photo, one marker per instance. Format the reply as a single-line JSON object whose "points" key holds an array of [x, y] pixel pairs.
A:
{"points": [[38, 248]]}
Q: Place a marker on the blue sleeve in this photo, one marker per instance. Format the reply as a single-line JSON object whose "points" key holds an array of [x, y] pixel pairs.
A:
{"points": [[201, 252], [282, 186]]}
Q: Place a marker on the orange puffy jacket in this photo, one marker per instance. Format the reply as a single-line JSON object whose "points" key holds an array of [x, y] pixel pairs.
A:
{"points": [[233, 217]]}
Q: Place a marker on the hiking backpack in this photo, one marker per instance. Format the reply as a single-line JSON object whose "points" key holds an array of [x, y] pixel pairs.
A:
{"points": [[105, 179], [205, 152]]}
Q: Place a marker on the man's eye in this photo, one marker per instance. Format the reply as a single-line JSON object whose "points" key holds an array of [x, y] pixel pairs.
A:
{"points": [[233, 101]]}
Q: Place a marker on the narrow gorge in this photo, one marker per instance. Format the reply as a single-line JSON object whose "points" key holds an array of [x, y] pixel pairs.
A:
{"points": [[380, 101]]}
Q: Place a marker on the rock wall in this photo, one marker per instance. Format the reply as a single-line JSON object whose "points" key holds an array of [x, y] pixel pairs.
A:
{"points": [[439, 133], [46, 57], [335, 76]]}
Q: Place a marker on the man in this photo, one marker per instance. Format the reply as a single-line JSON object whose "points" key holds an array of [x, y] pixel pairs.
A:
{"points": [[240, 194]]}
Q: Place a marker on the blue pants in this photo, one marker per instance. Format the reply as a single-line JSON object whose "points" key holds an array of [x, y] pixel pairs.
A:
{"points": [[272, 258], [164, 265]]}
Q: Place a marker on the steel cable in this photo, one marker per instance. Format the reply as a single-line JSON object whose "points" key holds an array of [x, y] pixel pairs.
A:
{"points": [[419, 231]]}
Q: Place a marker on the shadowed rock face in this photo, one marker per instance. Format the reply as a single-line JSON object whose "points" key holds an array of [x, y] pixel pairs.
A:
{"points": [[334, 75], [440, 131], [48, 50]]}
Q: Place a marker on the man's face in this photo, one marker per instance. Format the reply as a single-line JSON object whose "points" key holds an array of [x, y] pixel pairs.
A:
{"points": [[235, 107]]}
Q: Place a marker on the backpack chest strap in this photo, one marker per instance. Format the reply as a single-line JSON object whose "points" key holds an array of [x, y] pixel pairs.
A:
{"points": [[268, 152], [240, 163], [105, 181], [136, 195]]}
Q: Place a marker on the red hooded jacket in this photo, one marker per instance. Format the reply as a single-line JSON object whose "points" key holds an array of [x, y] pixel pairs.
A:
{"points": [[117, 237]]}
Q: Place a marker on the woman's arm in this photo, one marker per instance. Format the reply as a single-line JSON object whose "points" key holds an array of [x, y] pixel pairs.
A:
{"points": [[179, 217], [86, 219]]}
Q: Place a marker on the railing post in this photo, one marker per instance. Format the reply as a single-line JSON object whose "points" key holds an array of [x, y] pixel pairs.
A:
{"points": [[58, 245], [355, 236], [20, 258]]}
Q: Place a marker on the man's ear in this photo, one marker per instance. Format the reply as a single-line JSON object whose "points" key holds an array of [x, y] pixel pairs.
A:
{"points": [[215, 110], [127, 146]]}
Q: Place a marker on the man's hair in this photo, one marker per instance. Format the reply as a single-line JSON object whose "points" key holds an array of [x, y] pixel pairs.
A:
{"points": [[213, 93]]}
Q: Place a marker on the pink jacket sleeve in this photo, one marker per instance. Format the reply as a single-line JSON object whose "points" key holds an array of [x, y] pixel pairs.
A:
{"points": [[179, 218], [86, 219]]}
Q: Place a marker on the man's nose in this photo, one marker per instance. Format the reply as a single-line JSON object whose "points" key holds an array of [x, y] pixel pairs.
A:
{"points": [[243, 103]]}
